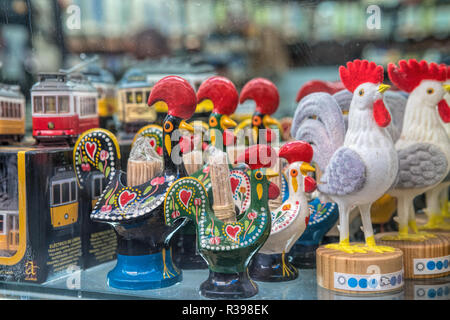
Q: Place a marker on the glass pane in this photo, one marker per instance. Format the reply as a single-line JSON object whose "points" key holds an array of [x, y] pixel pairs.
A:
{"points": [[50, 105], [2, 224], [147, 94], [64, 105], [56, 194], [37, 102], [65, 192]]}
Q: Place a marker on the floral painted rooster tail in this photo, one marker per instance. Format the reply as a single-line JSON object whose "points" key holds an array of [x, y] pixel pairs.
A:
{"points": [[227, 247], [136, 211]]}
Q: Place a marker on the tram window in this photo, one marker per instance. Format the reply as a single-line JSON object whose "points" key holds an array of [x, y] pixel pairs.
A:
{"points": [[16, 110], [56, 194], [147, 94], [64, 105], [139, 96], [65, 192], [19, 110], [37, 102], [75, 104], [50, 104], [2, 223], [15, 223], [130, 97], [1, 109], [73, 191]]}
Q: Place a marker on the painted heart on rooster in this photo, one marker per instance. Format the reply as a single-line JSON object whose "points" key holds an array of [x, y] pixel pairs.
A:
{"points": [[152, 142], [125, 198], [91, 148], [233, 231], [234, 184], [185, 196]]}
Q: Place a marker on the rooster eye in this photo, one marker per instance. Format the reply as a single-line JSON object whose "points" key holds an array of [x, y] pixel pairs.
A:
{"points": [[258, 175], [168, 126], [430, 91], [294, 173], [256, 121], [361, 92], [212, 122]]}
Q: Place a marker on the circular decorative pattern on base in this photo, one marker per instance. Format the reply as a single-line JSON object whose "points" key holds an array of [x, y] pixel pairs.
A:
{"points": [[359, 273], [422, 259]]}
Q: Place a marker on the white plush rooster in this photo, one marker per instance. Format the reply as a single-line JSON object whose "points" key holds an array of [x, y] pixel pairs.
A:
{"points": [[423, 148], [362, 167], [437, 198]]}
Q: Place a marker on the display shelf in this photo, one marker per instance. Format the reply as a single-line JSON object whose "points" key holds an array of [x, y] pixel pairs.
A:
{"points": [[92, 285]]}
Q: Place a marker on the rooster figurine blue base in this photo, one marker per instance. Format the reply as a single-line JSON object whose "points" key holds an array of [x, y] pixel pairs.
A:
{"points": [[144, 272]]}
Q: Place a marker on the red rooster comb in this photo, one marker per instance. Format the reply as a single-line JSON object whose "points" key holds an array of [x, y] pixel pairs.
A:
{"points": [[222, 92], [264, 93], [410, 73], [177, 93], [318, 86], [258, 156], [359, 72], [296, 151]]}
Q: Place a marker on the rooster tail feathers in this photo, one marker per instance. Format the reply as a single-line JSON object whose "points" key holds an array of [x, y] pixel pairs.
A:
{"points": [[96, 149], [319, 121], [187, 198]]}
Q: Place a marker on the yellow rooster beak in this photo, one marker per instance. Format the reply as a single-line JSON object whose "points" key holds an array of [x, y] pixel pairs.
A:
{"points": [[269, 121], [186, 126], [305, 168], [271, 173], [226, 122], [383, 87], [446, 87]]}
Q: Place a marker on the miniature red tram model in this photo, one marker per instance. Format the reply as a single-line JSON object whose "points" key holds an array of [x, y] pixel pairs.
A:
{"points": [[63, 106]]}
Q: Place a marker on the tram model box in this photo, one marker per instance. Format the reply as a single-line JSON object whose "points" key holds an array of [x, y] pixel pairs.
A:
{"points": [[40, 231], [99, 240]]}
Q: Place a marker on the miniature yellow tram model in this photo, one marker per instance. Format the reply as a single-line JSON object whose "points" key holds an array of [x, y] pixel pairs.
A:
{"points": [[135, 86], [104, 82], [63, 200], [9, 230], [9, 212], [12, 113]]}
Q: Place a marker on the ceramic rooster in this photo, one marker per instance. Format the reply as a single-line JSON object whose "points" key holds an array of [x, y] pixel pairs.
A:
{"points": [[318, 86], [438, 222], [137, 212], [227, 246], [423, 148], [360, 164], [222, 94], [290, 220], [265, 94]]}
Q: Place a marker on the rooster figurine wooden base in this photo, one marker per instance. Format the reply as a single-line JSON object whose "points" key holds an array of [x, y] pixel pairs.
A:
{"points": [[359, 165], [424, 156]]}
